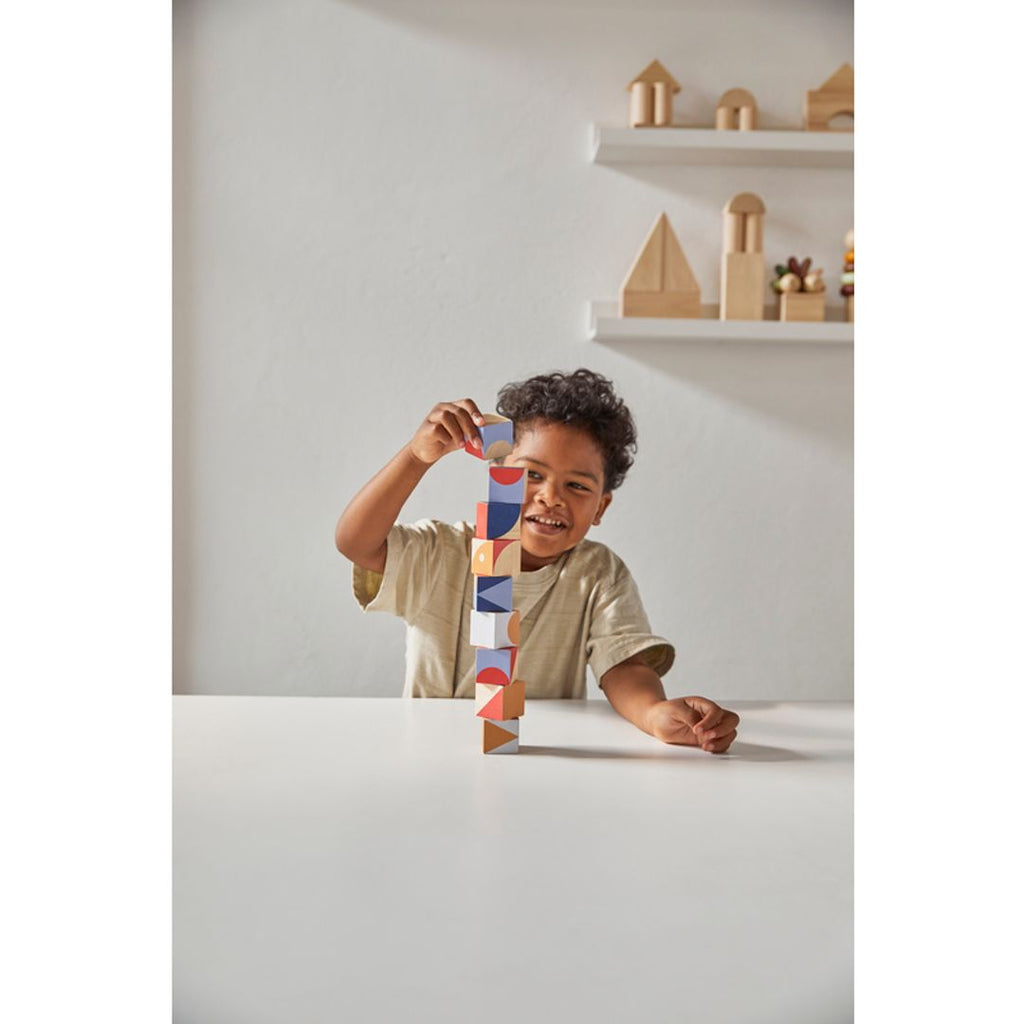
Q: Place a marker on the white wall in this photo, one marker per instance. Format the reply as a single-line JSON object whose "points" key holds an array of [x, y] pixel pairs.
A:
{"points": [[382, 205]]}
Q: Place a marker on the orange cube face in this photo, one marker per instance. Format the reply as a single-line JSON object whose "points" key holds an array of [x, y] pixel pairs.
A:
{"points": [[496, 557]]}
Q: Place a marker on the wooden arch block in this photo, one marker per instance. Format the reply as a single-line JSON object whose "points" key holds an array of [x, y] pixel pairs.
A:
{"points": [[737, 109], [660, 282], [742, 277], [835, 96]]}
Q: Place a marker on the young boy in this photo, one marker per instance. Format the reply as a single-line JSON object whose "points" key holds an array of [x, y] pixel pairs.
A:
{"points": [[577, 601]]}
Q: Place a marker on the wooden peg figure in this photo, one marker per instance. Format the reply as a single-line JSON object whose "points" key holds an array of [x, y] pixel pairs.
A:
{"points": [[737, 109], [650, 97], [743, 259]]}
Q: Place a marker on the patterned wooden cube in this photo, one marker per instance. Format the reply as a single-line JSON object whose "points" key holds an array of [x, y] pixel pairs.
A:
{"points": [[499, 703], [496, 435], [492, 593], [496, 666], [497, 520], [501, 737], [506, 484], [496, 557], [494, 629]]}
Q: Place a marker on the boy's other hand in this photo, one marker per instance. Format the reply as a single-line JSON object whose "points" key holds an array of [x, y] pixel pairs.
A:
{"points": [[693, 722], [447, 428]]}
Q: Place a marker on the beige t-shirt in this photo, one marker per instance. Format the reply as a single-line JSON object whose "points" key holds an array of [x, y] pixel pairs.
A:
{"points": [[583, 609]]}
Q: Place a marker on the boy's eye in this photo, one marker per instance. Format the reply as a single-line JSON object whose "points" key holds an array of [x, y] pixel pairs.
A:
{"points": [[532, 474], [578, 486]]}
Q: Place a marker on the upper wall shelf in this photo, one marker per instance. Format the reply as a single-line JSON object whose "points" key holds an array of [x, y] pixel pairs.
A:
{"points": [[615, 145]]}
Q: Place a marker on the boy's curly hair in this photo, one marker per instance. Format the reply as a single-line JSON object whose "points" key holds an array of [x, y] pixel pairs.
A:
{"points": [[582, 399]]}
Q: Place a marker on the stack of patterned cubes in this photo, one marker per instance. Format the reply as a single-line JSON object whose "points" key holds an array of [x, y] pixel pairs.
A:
{"points": [[494, 622]]}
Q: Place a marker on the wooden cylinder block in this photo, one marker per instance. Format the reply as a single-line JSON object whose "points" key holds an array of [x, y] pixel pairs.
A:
{"points": [[641, 105], [723, 119], [748, 119], [662, 104], [732, 240], [753, 233]]}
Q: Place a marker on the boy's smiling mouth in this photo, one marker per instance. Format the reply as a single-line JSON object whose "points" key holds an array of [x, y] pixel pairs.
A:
{"points": [[546, 524]]}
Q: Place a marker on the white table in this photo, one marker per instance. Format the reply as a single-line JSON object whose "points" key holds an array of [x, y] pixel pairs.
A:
{"points": [[359, 860]]}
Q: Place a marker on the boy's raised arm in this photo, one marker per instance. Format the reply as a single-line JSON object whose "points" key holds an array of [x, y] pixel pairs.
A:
{"points": [[362, 531]]}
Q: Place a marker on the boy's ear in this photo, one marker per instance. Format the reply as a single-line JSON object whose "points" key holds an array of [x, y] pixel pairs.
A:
{"points": [[606, 500]]}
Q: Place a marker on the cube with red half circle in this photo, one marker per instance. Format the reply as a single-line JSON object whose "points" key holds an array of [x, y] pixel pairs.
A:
{"points": [[496, 666], [506, 484]]}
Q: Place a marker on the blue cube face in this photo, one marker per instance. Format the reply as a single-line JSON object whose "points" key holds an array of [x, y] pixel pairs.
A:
{"points": [[493, 594], [495, 666], [496, 519], [506, 485]]}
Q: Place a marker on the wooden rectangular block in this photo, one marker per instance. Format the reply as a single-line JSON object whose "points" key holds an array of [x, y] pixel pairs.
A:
{"points": [[492, 594], [496, 435], [493, 629], [742, 286], [500, 703], [501, 737], [496, 667], [497, 520], [506, 484], [496, 557], [802, 306]]}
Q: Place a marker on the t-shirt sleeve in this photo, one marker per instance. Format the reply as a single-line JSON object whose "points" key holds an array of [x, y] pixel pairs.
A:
{"points": [[619, 628], [410, 570]]}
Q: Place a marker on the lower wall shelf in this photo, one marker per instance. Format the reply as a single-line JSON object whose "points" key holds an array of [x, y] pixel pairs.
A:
{"points": [[605, 324]]}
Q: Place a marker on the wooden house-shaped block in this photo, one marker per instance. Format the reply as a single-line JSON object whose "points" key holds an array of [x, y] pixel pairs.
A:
{"points": [[650, 97], [833, 98]]}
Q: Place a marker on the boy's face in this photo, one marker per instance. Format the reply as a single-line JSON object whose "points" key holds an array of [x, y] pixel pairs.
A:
{"points": [[565, 492]]}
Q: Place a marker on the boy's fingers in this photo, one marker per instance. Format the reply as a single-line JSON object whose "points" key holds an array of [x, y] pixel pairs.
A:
{"points": [[471, 407], [726, 722], [719, 745]]}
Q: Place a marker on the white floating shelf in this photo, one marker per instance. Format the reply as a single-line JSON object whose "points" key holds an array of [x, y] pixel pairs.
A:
{"points": [[606, 325], [616, 145]]}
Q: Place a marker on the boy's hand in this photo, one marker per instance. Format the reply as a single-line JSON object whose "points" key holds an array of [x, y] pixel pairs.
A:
{"points": [[693, 722], [447, 428]]}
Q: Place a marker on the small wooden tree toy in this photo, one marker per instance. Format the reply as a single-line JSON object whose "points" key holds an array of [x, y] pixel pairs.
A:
{"points": [[833, 98], [846, 281], [736, 110], [660, 282], [494, 622], [743, 259], [801, 290], [650, 97]]}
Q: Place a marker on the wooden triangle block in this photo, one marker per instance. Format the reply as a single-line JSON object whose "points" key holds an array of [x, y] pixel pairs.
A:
{"points": [[501, 737], [660, 282]]}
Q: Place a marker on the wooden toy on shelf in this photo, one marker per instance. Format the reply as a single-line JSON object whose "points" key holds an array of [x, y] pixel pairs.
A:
{"points": [[496, 436], [846, 281], [801, 291], [743, 259], [660, 282], [650, 97], [495, 558], [737, 109], [834, 97]]}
